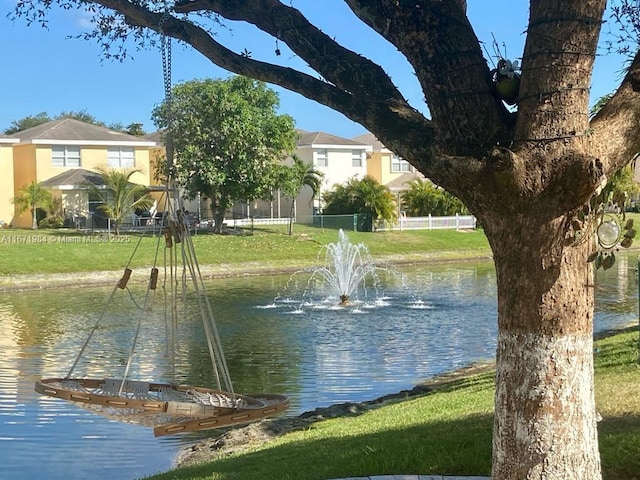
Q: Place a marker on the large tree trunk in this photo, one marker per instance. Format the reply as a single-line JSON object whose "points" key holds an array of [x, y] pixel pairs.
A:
{"points": [[218, 217], [544, 426]]}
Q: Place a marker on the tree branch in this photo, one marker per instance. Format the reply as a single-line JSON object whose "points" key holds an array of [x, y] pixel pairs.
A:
{"points": [[338, 65], [438, 41], [615, 126], [389, 110], [556, 68], [367, 96]]}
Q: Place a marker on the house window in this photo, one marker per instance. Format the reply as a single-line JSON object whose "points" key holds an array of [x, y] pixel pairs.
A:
{"points": [[321, 158], [120, 157], [356, 158], [65, 156], [399, 165]]}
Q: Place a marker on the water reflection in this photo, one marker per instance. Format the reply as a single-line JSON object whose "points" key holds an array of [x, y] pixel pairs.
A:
{"points": [[321, 357]]}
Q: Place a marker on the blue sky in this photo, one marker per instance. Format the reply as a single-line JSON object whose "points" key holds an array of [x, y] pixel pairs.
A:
{"points": [[45, 71]]}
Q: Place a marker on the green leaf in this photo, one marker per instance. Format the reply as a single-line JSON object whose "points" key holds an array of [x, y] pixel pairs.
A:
{"points": [[629, 224], [593, 256], [608, 261], [626, 242], [630, 234], [598, 263]]}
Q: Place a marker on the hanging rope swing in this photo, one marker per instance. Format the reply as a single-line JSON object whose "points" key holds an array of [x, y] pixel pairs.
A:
{"points": [[167, 407]]}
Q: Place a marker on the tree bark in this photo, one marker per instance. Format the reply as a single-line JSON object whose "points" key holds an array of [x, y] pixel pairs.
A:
{"points": [[34, 218], [544, 424], [218, 216], [293, 204]]}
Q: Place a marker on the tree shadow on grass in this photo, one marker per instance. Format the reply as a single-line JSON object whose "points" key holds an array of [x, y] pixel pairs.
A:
{"points": [[619, 439], [459, 447]]}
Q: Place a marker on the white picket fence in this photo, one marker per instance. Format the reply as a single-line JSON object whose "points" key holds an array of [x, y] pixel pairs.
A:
{"points": [[457, 222]]}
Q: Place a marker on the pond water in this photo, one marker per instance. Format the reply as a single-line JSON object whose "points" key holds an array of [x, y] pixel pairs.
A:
{"points": [[427, 320]]}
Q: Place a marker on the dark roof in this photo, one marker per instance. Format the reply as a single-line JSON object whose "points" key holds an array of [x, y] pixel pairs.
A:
{"points": [[72, 130], [7, 139], [74, 177], [156, 136], [370, 139], [400, 182], [321, 138]]}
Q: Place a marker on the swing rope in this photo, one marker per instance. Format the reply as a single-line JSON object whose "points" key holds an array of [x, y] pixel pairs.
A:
{"points": [[119, 285], [180, 223], [170, 408]]}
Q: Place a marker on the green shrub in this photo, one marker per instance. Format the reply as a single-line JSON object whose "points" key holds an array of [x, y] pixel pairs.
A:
{"points": [[52, 221]]}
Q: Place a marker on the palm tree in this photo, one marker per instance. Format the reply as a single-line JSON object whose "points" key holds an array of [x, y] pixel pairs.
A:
{"points": [[120, 197], [424, 198], [301, 174], [421, 198], [364, 195], [31, 197], [376, 199]]}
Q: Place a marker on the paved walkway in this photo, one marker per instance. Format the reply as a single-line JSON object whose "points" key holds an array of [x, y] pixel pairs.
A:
{"points": [[413, 477]]}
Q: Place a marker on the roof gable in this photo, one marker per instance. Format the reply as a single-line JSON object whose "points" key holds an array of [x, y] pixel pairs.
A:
{"points": [[74, 132], [73, 178], [370, 139], [321, 139], [401, 182], [7, 139], [157, 137]]}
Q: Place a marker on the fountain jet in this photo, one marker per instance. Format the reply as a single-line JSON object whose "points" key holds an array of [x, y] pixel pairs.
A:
{"points": [[346, 267]]}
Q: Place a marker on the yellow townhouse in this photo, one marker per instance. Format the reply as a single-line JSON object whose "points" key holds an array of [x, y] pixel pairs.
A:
{"points": [[6, 179], [64, 155]]}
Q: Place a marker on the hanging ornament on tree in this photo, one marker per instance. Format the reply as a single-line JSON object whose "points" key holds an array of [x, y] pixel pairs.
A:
{"points": [[612, 231], [506, 80]]}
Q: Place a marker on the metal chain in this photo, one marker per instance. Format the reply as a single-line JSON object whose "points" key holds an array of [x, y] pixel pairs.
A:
{"points": [[168, 97], [166, 60]]}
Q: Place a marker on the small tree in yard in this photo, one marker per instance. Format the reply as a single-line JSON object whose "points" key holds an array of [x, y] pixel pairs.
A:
{"points": [[55, 214], [31, 197], [295, 178], [228, 140], [120, 197], [519, 148]]}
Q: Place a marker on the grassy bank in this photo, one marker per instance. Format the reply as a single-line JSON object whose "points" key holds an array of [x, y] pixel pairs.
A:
{"points": [[447, 431], [56, 251]]}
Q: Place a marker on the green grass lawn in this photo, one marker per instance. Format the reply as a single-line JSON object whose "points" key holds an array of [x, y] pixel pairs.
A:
{"points": [[24, 251], [444, 432], [52, 251]]}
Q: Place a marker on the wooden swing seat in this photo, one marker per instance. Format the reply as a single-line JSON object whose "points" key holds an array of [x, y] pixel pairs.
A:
{"points": [[179, 408]]}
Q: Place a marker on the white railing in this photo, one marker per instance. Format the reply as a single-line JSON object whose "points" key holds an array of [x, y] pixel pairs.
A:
{"points": [[457, 222], [244, 222]]}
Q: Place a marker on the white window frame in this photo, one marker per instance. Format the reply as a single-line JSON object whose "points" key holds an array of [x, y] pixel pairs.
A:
{"points": [[65, 156], [399, 165], [321, 158], [356, 158], [121, 157]]}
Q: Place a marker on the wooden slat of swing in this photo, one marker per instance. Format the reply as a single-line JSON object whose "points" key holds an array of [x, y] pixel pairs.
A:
{"points": [[51, 387], [264, 406], [280, 404]]}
